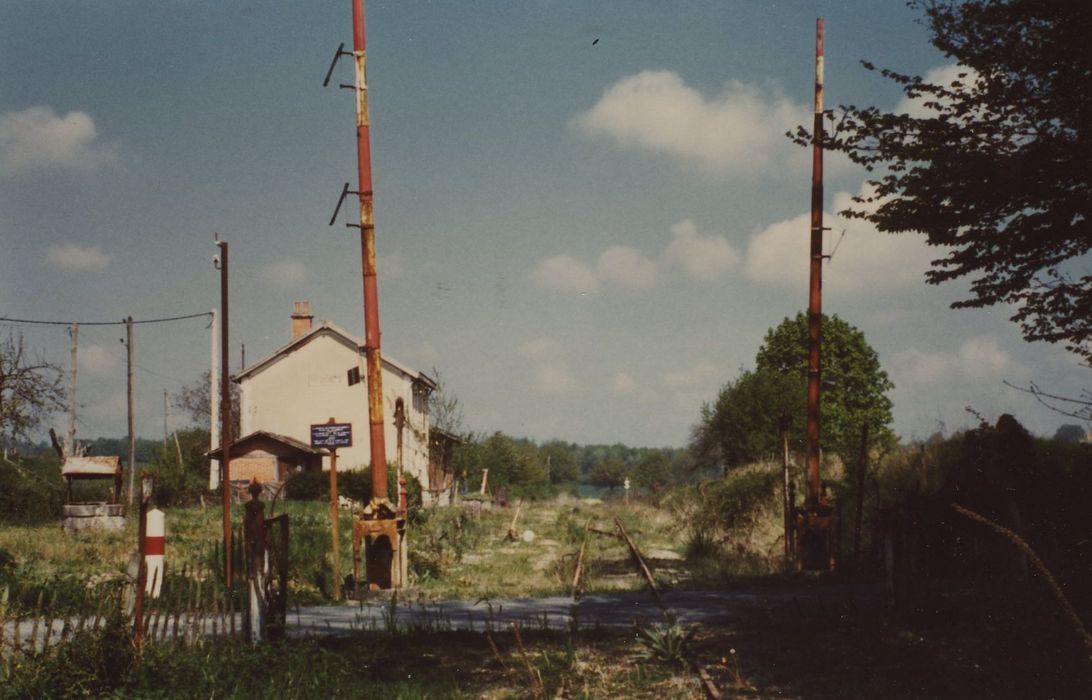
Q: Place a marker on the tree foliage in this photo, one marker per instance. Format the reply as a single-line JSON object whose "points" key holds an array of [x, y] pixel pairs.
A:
{"points": [[741, 426], [30, 391], [610, 473], [444, 410], [995, 165], [560, 461], [194, 400]]}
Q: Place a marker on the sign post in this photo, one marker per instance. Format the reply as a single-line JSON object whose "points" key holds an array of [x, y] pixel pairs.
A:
{"points": [[333, 435]]}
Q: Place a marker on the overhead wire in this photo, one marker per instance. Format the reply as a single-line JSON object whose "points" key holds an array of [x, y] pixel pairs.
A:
{"points": [[105, 323]]}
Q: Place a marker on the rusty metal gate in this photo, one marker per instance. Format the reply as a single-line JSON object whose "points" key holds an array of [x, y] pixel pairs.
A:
{"points": [[276, 539], [266, 543]]}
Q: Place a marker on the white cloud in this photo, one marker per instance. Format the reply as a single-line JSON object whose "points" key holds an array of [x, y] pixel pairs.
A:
{"points": [[97, 360], [72, 256], [623, 383], [976, 359], [701, 257], [941, 75], [628, 267], [37, 138], [285, 273], [740, 130], [549, 368], [982, 356], [864, 259], [567, 274]]}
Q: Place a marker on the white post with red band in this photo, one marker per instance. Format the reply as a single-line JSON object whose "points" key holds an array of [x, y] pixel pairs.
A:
{"points": [[154, 546]]}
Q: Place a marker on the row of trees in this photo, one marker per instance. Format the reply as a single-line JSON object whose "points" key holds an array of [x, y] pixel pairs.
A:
{"points": [[524, 467]]}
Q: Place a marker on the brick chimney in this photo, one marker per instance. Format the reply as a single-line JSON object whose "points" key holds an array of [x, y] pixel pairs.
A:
{"points": [[301, 319]]}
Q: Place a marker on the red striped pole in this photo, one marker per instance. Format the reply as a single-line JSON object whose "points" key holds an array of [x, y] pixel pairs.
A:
{"points": [[367, 244]]}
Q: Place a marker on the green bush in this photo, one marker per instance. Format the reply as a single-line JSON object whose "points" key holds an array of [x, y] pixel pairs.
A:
{"points": [[31, 489], [308, 485]]}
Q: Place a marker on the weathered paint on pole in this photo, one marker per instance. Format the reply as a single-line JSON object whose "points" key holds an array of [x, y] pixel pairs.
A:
{"points": [[374, 383], [815, 290], [225, 411]]}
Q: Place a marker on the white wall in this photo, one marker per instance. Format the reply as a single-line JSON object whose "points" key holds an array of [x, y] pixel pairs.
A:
{"points": [[309, 386]]}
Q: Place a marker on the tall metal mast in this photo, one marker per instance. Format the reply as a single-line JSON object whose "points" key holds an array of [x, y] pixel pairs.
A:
{"points": [[367, 245], [815, 290]]}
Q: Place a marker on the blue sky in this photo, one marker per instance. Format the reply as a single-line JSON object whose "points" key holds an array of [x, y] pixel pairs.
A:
{"points": [[586, 238]]}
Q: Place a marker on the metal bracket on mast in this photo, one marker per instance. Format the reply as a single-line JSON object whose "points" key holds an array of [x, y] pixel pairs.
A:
{"points": [[330, 71], [345, 192]]}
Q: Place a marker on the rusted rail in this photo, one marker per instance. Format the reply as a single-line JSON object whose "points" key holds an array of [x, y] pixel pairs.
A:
{"points": [[641, 565]]}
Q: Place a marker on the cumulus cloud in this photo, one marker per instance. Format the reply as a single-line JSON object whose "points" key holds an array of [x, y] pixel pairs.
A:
{"points": [[38, 138], [740, 130], [97, 360], [567, 274], [865, 259], [72, 256], [702, 257], [976, 359], [549, 368], [627, 266], [285, 273], [941, 75]]}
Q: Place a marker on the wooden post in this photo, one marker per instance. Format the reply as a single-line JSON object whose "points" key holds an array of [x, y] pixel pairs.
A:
{"points": [[70, 438], [129, 402], [784, 422], [334, 521], [142, 566], [225, 413]]}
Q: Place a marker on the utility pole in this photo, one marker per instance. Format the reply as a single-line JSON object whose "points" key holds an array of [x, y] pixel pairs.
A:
{"points": [[164, 419], [70, 438], [814, 548], [214, 404], [225, 409], [129, 402]]}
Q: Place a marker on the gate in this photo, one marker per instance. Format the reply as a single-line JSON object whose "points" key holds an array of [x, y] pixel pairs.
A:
{"points": [[266, 541]]}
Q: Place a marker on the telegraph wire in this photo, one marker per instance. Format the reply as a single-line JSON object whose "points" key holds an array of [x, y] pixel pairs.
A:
{"points": [[105, 323]]}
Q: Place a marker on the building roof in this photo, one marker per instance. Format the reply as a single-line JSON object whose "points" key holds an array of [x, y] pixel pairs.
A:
{"points": [[289, 442], [342, 336], [91, 466]]}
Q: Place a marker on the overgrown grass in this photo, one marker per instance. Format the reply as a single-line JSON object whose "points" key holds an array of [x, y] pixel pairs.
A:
{"points": [[454, 551], [439, 664]]}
